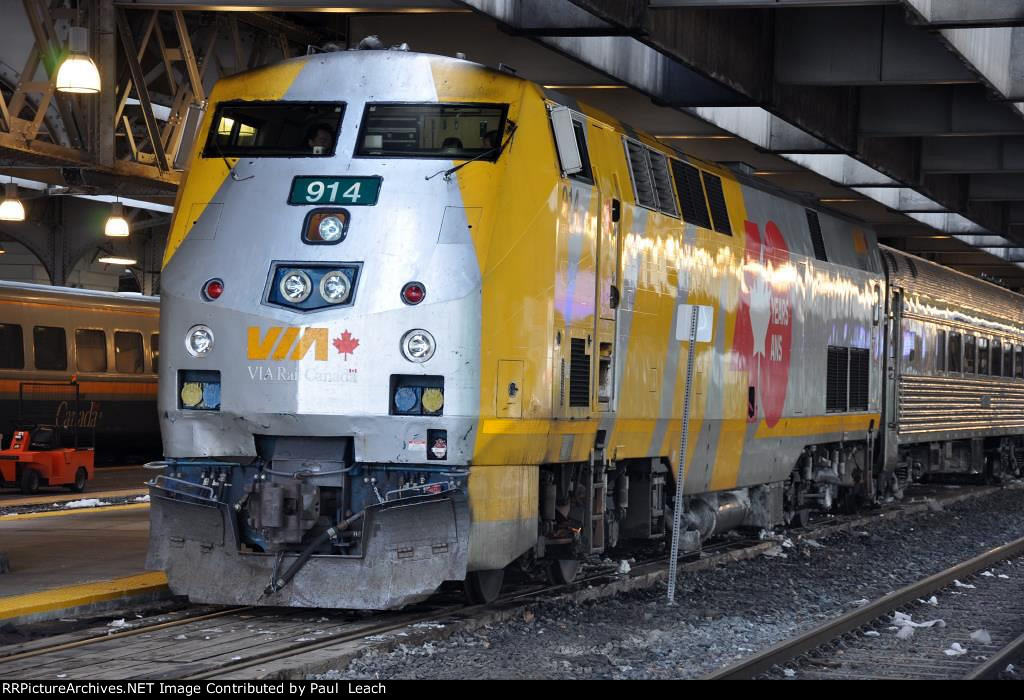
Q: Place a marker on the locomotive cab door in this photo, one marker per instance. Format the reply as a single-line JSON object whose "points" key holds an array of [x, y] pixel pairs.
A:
{"points": [[608, 286]]}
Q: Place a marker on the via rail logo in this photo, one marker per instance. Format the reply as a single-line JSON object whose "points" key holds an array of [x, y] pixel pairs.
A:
{"points": [[764, 333]]}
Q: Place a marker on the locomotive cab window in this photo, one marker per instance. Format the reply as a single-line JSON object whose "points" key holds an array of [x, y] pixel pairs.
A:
{"points": [[91, 349], [432, 130], [274, 129], [51, 348], [12, 346]]}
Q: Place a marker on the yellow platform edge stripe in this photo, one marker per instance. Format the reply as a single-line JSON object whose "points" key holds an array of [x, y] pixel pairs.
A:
{"points": [[72, 511], [84, 594]]}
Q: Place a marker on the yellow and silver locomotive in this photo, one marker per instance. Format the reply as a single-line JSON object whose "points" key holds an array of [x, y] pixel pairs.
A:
{"points": [[424, 319]]}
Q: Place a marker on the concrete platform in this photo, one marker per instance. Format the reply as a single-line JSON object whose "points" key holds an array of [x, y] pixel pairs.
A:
{"points": [[69, 561]]}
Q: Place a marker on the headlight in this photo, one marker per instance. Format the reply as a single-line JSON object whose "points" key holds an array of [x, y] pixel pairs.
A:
{"points": [[295, 286], [335, 287], [330, 229], [199, 341], [418, 346]]}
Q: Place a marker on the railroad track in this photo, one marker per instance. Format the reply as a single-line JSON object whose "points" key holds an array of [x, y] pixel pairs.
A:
{"points": [[864, 643], [209, 641], [212, 642]]}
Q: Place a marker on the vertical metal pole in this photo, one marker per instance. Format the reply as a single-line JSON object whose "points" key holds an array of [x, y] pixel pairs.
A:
{"points": [[106, 28], [677, 509]]}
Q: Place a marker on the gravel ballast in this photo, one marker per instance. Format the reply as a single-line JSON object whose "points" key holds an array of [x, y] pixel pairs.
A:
{"points": [[722, 614]]}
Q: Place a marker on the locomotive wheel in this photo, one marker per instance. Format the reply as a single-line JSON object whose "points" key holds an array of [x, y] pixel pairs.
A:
{"points": [[563, 571], [80, 478], [30, 481], [484, 586]]}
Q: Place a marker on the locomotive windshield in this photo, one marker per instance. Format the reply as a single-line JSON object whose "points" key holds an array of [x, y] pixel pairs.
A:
{"points": [[274, 129], [448, 131]]}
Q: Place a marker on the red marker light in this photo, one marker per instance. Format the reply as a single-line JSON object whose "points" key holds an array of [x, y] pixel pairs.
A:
{"points": [[413, 293], [213, 289]]}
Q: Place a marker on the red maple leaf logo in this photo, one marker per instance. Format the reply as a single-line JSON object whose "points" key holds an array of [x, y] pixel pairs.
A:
{"points": [[345, 344]]}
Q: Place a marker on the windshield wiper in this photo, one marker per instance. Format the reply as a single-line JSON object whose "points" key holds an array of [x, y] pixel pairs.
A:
{"points": [[227, 163], [500, 150]]}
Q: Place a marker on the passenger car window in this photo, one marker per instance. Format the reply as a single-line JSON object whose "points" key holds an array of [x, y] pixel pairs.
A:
{"points": [[12, 347], [154, 352], [128, 352], [955, 356], [1018, 362], [51, 348], [1007, 360], [431, 130], [997, 359], [940, 351], [983, 356], [268, 129], [91, 349], [970, 354]]}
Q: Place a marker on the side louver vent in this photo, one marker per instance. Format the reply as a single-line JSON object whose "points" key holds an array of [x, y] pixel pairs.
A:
{"points": [[579, 373], [859, 368], [836, 380], [695, 210], [716, 200], [663, 183], [645, 195]]}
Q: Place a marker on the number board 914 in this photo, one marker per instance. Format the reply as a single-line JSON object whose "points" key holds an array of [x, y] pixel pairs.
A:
{"points": [[352, 191]]}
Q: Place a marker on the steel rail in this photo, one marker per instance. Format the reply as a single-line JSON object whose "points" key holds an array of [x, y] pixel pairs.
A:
{"points": [[109, 635], [754, 665], [991, 668]]}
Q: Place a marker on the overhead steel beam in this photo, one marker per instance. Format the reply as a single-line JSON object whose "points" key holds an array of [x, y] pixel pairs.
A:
{"points": [[972, 154], [860, 46], [337, 6], [935, 111], [967, 13], [996, 53], [763, 129], [997, 188], [623, 58], [131, 53], [766, 3]]}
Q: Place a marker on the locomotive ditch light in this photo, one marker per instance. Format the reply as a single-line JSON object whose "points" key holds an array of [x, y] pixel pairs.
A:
{"points": [[296, 286], [199, 341], [335, 287], [418, 345]]}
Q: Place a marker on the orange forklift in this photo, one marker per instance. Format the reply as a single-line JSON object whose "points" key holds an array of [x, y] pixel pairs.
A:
{"points": [[42, 453]]}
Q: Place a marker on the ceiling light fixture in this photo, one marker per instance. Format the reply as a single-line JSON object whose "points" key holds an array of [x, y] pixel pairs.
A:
{"points": [[117, 225], [11, 209], [77, 73]]}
